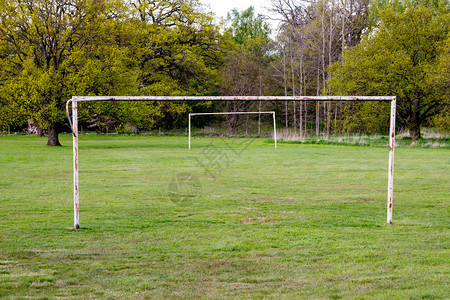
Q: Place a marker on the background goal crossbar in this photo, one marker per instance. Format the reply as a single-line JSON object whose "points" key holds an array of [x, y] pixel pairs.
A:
{"points": [[235, 113]]}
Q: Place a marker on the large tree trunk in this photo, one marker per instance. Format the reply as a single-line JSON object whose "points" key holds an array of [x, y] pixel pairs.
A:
{"points": [[53, 139], [414, 131]]}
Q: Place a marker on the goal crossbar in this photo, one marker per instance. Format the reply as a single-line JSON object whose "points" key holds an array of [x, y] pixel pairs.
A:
{"points": [[235, 113], [74, 126], [231, 98]]}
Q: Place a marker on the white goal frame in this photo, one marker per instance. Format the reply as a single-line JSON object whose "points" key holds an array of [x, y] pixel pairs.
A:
{"points": [[74, 124], [235, 113]]}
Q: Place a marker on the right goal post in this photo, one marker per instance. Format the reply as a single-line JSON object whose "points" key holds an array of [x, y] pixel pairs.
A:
{"points": [[235, 113]]}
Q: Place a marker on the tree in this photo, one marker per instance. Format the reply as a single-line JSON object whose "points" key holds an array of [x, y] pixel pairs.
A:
{"points": [[52, 49], [377, 8], [178, 48], [245, 70], [397, 59], [178, 51], [313, 35], [440, 77], [246, 25]]}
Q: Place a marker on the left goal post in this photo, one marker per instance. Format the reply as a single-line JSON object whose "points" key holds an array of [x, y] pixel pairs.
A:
{"points": [[235, 113]]}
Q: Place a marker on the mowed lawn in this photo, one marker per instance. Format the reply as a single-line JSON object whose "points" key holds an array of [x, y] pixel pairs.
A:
{"points": [[232, 218]]}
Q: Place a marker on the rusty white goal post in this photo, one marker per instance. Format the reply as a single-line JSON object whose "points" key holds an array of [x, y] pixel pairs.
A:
{"points": [[235, 113], [74, 124]]}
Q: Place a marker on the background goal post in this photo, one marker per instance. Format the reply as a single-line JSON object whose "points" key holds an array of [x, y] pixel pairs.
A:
{"points": [[74, 125], [235, 113]]}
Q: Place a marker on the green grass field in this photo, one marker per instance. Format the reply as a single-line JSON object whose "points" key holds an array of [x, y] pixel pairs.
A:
{"points": [[229, 219]]}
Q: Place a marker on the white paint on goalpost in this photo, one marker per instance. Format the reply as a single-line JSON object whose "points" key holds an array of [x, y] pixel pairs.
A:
{"points": [[391, 160], [74, 125], [234, 113], [76, 200]]}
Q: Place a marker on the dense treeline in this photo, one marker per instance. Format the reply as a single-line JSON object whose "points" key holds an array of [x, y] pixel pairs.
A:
{"points": [[53, 49]]}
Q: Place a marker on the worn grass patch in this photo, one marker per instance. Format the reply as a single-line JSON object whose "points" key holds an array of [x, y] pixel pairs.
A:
{"points": [[232, 218]]}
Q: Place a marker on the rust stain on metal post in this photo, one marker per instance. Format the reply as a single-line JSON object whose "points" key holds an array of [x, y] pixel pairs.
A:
{"points": [[391, 161], [274, 130], [76, 203], [189, 131]]}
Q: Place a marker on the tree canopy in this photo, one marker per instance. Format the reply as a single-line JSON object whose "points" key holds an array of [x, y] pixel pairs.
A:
{"points": [[399, 58], [247, 25], [53, 49]]}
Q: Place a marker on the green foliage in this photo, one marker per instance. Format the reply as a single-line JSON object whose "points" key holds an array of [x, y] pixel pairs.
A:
{"points": [[51, 51], [377, 8], [440, 77], [106, 47], [11, 114], [397, 59], [442, 121], [246, 64], [179, 49], [368, 117], [245, 25]]}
